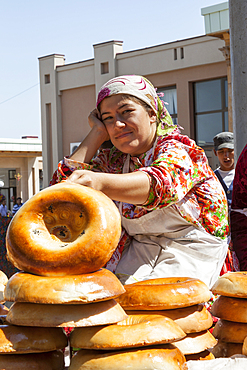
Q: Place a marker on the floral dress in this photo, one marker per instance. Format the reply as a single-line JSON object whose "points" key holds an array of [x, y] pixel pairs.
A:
{"points": [[179, 176]]}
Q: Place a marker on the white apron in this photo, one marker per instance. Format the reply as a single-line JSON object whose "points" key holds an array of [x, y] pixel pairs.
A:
{"points": [[164, 244]]}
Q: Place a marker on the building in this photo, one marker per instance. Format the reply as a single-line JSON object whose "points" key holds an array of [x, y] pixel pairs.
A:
{"points": [[20, 168], [193, 74]]}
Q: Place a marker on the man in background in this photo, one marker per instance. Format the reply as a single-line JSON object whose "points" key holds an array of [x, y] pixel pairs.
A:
{"points": [[224, 150], [17, 205]]}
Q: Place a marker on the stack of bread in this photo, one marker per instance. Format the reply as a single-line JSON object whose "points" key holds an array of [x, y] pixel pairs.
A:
{"points": [[60, 238], [231, 309], [134, 343], [180, 299], [21, 348]]}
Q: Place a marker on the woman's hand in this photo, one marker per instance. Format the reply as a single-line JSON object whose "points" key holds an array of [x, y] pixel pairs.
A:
{"points": [[94, 120], [95, 138], [86, 178]]}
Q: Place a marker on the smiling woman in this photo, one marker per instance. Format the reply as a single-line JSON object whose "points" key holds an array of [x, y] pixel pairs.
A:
{"points": [[173, 210], [131, 128]]}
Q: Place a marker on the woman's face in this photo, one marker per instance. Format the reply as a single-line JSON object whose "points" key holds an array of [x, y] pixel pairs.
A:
{"points": [[131, 128]]}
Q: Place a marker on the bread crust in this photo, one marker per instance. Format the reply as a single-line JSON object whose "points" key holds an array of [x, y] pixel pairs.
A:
{"points": [[168, 357], [58, 315], [135, 331], [232, 284], [71, 289], [164, 294], [196, 342], [15, 339], [191, 319], [229, 331], [244, 348], [35, 361], [227, 349], [231, 309], [65, 229]]}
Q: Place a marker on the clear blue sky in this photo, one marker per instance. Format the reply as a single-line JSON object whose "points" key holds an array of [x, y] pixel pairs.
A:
{"points": [[34, 28]]}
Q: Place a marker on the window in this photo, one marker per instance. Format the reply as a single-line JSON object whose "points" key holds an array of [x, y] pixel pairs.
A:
{"points": [[170, 98], [104, 68], [12, 178], [175, 54], [211, 109], [182, 53], [47, 79]]}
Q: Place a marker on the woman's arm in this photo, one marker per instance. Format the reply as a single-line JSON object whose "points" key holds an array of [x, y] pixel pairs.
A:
{"points": [[130, 188], [89, 146]]}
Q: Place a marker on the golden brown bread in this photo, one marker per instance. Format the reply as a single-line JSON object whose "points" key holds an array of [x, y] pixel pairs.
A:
{"points": [[229, 331], [227, 349], [65, 229], [168, 357], [196, 342], [231, 309], [191, 319], [84, 288], [58, 315], [16, 339], [164, 294], [232, 284], [135, 331], [33, 361]]}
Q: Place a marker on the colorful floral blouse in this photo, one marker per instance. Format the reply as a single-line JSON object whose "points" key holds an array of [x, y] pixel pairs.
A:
{"points": [[179, 176]]}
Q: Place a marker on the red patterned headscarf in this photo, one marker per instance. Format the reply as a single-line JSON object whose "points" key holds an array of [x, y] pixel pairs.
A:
{"points": [[141, 88]]}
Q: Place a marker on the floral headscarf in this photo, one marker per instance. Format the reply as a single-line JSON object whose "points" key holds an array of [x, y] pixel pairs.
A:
{"points": [[141, 88]]}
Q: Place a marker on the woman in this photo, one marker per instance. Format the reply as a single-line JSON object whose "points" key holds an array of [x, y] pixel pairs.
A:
{"points": [[174, 211]]}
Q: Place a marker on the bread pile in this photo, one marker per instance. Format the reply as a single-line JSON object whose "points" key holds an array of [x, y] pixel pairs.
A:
{"points": [[46, 299], [48, 304], [132, 342], [61, 239], [231, 309], [15, 340], [180, 299]]}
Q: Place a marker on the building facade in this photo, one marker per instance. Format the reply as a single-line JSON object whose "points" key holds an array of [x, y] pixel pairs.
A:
{"points": [[192, 74], [20, 169]]}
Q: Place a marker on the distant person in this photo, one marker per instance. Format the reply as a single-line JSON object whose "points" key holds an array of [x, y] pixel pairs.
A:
{"points": [[3, 209], [224, 150], [17, 206]]}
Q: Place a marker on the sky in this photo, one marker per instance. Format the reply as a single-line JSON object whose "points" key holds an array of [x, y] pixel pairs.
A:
{"points": [[34, 28]]}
